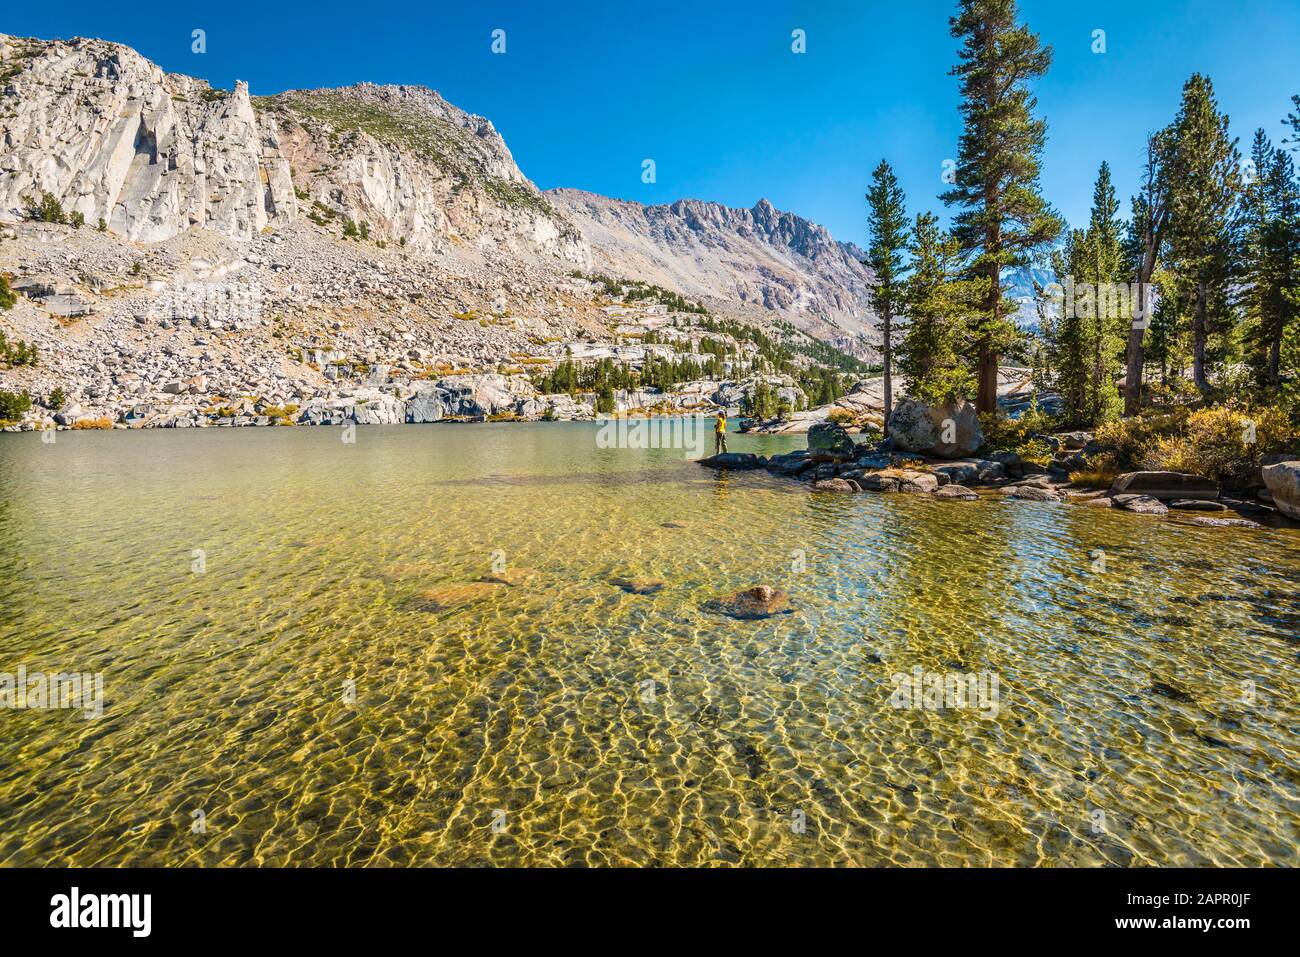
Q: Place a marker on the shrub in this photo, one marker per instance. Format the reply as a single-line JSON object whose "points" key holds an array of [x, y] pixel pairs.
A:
{"points": [[14, 405], [7, 296], [57, 398], [102, 226], [1132, 439], [48, 210], [77, 220], [103, 422], [1100, 471], [840, 416], [1222, 443], [1005, 434]]}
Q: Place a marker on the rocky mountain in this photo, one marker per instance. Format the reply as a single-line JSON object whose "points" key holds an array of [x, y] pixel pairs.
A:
{"points": [[171, 239], [758, 259]]}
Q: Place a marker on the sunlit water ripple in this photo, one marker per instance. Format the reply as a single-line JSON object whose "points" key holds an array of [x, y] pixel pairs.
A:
{"points": [[563, 721]]}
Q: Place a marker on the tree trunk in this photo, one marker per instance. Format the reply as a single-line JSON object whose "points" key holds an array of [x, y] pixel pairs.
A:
{"points": [[986, 400], [889, 374], [1135, 355], [1275, 360], [1198, 340]]}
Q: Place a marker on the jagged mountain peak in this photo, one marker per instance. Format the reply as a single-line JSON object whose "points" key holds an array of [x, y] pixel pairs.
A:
{"points": [[757, 257]]}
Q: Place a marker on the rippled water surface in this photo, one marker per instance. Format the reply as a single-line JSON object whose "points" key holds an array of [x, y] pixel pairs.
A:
{"points": [[1147, 710]]}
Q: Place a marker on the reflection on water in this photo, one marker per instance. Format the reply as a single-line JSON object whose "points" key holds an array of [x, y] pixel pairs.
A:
{"points": [[299, 703]]}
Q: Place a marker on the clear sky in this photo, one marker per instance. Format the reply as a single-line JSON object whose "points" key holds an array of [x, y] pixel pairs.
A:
{"points": [[712, 92]]}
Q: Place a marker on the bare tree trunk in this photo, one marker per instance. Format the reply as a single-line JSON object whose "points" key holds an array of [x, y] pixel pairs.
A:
{"points": [[986, 400], [1198, 340], [889, 372], [1135, 355]]}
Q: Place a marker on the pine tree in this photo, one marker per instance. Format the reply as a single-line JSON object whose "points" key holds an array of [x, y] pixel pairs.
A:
{"points": [[887, 229], [1068, 337], [1003, 216], [940, 306], [1146, 237], [1270, 245], [1086, 339], [1204, 183]]}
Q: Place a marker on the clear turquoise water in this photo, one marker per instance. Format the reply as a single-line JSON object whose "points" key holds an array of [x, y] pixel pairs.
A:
{"points": [[562, 720]]}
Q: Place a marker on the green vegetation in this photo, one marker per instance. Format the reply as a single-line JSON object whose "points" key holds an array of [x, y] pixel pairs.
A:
{"points": [[1085, 343], [14, 405], [57, 399], [887, 226], [452, 148], [940, 304], [1001, 216], [48, 210], [634, 290], [17, 353], [8, 298]]}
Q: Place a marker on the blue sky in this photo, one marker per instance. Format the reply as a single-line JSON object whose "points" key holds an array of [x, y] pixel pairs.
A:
{"points": [[712, 92]]}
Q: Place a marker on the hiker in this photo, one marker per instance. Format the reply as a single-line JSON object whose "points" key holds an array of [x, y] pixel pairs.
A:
{"points": [[720, 433]]}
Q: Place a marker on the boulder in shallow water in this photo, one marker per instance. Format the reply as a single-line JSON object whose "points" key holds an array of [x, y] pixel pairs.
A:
{"points": [[967, 471], [1197, 505], [834, 485], [1214, 522], [791, 463], [831, 437], [947, 431], [1032, 493], [956, 493], [1165, 485], [1142, 504], [1283, 481], [761, 601], [733, 461]]}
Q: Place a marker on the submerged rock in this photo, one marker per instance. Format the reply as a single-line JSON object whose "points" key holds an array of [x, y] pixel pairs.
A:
{"points": [[1197, 505], [639, 586], [1214, 522], [446, 597], [513, 577], [761, 601]]}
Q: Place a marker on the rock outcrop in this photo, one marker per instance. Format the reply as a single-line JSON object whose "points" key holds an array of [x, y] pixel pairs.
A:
{"points": [[152, 154], [709, 251], [1165, 486], [1283, 482], [946, 431]]}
